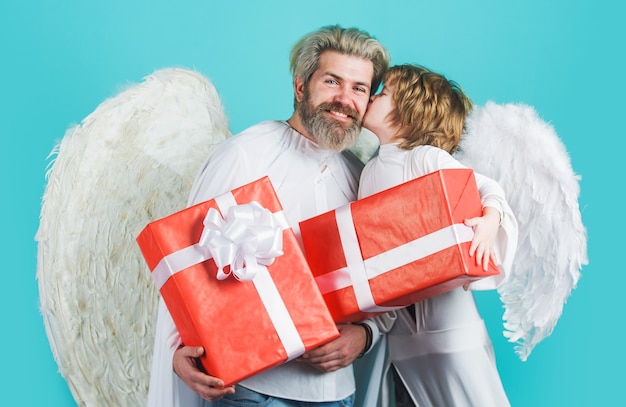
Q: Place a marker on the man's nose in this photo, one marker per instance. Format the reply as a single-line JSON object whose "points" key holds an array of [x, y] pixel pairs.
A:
{"points": [[343, 95]]}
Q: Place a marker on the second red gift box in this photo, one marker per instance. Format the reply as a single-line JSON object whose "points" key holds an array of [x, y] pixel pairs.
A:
{"points": [[396, 247]]}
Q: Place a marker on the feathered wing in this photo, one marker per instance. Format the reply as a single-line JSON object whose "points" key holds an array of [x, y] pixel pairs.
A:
{"points": [[513, 145], [365, 146], [128, 163]]}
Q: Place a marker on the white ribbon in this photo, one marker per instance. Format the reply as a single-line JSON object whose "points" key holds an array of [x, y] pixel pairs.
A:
{"points": [[359, 271], [245, 239]]}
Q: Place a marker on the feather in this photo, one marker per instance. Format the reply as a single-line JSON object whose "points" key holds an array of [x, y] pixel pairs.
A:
{"points": [[513, 145], [365, 146], [128, 163]]}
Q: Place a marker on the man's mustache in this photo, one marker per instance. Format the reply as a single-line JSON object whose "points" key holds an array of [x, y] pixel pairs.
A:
{"points": [[340, 108]]}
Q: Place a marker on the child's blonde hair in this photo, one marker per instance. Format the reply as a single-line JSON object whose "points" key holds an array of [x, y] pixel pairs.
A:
{"points": [[429, 109]]}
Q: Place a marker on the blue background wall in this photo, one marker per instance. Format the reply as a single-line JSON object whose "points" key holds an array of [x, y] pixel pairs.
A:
{"points": [[60, 59]]}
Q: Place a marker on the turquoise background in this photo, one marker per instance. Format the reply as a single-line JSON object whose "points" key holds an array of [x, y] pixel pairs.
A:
{"points": [[60, 59]]}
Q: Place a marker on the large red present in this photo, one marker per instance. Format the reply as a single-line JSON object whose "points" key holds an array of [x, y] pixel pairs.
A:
{"points": [[396, 247], [259, 308]]}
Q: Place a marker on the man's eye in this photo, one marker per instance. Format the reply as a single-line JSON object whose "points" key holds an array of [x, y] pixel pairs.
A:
{"points": [[331, 81], [358, 89]]}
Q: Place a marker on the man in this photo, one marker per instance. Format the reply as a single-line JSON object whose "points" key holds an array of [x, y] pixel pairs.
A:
{"points": [[335, 71]]}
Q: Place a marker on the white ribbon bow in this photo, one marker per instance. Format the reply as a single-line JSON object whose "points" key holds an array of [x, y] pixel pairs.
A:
{"points": [[246, 239]]}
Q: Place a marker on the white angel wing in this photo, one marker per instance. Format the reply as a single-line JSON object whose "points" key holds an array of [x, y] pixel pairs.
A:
{"points": [[128, 163], [365, 146], [512, 145]]}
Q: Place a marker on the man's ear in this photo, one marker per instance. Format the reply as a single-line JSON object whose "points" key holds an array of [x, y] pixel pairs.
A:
{"points": [[298, 88]]}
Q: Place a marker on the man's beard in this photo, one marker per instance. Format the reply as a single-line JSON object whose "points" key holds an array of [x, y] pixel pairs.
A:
{"points": [[329, 133]]}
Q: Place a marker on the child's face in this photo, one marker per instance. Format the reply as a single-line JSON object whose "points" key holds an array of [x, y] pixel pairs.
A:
{"points": [[376, 118]]}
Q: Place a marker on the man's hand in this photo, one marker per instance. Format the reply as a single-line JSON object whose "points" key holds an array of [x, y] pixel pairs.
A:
{"points": [[185, 366], [340, 352]]}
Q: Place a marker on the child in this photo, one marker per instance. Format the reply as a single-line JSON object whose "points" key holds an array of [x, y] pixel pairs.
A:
{"points": [[439, 348]]}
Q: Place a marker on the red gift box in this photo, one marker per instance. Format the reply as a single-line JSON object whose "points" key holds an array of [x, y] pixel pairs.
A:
{"points": [[396, 247], [246, 325]]}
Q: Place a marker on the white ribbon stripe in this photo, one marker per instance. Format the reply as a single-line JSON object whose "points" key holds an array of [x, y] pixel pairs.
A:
{"points": [[278, 313], [359, 271], [354, 261]]}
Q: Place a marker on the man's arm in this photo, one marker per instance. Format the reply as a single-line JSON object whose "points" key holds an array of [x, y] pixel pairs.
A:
{"points": [[340, 352]]}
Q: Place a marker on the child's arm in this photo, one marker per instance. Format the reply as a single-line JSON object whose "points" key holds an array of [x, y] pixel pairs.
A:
{"points": [[485, 232], [501, 228], [499, 239]]}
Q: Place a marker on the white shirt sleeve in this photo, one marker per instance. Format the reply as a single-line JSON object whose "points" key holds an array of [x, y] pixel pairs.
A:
{"points": [[427, 159], [166, 389]]}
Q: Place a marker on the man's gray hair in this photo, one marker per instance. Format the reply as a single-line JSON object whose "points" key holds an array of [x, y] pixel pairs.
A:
{"points": [[305, 54]]}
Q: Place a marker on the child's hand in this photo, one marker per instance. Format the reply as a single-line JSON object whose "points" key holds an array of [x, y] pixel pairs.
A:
{"points": [[485, 231]]}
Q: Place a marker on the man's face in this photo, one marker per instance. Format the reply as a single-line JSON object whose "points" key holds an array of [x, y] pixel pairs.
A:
{"points": [[333, 103]]}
